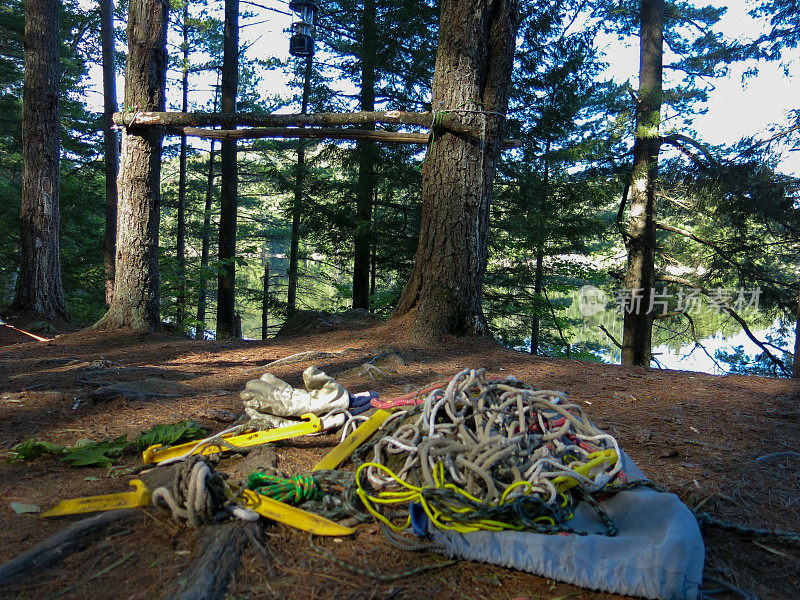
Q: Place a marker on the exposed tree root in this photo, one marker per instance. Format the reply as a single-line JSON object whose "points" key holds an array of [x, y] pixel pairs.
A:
{"points": [[61, 544], [218, 556]]}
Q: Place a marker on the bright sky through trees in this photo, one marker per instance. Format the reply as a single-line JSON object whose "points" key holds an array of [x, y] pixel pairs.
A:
{"points": [[736, 107]]}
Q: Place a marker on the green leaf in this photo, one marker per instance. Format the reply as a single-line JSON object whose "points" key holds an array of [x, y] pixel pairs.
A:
{"points": [[96, 454], [166, 435], [33, 449]]}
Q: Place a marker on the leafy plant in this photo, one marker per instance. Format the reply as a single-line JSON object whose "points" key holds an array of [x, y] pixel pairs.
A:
{"points": [[33, 449], [88, 453], [166, 435]]}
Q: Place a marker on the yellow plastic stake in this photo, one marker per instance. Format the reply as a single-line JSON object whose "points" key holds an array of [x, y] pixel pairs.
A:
{"points": [[139, 497], [598, 461], [292, 516], [335, 457], [309, 424]]}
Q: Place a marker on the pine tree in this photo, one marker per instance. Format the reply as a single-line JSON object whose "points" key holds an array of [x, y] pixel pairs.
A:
{"points": [[40, 289], [472, 78]]}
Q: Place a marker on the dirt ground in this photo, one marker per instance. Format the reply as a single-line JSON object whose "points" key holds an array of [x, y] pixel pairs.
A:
{"points": [[697, 435]]}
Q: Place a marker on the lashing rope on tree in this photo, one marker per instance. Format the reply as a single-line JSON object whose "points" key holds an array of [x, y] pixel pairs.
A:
{"points": [[484, 454]]}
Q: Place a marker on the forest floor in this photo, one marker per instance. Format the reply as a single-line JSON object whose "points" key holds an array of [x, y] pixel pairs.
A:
{"points": [[698, 435]]}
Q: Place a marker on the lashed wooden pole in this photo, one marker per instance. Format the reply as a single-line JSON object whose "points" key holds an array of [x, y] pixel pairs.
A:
{"points": [[448, 120], [389, 137]]}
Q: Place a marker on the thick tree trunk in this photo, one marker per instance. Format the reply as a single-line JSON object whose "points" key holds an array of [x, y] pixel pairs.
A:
{"points": [[202, 294], [367, 151], [180, 241], [473, 72], [110, 142], [39, 287], [226, 282], [641, 234], [136, 295], [297, 206]]}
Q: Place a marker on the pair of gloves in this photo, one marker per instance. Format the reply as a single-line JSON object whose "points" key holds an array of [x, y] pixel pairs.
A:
{"points": [[274, 403]]}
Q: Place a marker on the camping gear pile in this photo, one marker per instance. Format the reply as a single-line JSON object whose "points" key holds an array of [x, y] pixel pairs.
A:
{"points": [[478, 469]]}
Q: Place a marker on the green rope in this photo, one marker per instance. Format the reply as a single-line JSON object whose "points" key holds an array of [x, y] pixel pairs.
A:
{"points": [[295, 490]]}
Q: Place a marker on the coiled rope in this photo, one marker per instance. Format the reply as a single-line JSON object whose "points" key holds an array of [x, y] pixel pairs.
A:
{"points": [[486, 454], [198, 496], [292, 490]]}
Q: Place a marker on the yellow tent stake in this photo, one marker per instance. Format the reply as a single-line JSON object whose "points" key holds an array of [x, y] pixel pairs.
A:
{"points": [[310, 424], [364, 431], [293, 516], [139, 497]]}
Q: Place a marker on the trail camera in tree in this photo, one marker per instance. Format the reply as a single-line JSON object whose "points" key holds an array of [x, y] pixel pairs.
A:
{"points": [[302, 40]]}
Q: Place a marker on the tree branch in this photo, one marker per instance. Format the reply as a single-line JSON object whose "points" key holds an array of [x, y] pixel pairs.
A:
{"points": [[611, 337], [732, 313]]}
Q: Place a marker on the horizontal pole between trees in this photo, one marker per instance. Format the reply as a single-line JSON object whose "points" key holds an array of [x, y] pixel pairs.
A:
{"points": [[448, 120], [369, 135], [392, 137]]}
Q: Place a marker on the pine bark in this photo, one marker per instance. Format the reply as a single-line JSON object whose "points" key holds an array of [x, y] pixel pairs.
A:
{"points": [[474, 62], [641, 234], [367, 151], [226, 282], [180, 241], [297, 206], [39, 286], [136, 281], [110, 143]]}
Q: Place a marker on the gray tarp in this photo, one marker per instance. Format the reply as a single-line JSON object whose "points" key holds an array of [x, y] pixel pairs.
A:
{"points": [[658, 552]]}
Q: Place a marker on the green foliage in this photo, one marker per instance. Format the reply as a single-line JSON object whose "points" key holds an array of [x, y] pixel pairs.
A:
{"points": [[85, 453], [88, 453], [169, 434], [32, 449]]}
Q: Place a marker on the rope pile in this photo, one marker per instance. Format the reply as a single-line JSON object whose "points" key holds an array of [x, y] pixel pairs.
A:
{"points": [[486, 454]]}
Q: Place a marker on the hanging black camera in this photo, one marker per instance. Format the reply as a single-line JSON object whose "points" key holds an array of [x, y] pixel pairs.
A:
{"points": [[302, 40]]}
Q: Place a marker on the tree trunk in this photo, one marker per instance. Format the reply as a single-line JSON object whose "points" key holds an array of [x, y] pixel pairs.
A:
{"points": [[205, 249], [111, 143], [366, 162], [136, 295], [472, 79], [294, 243], [539, 272], [641, 235], [40, 287], [226, 282], [180, 241], [537, 291], [265, 303], [796, 359]]}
